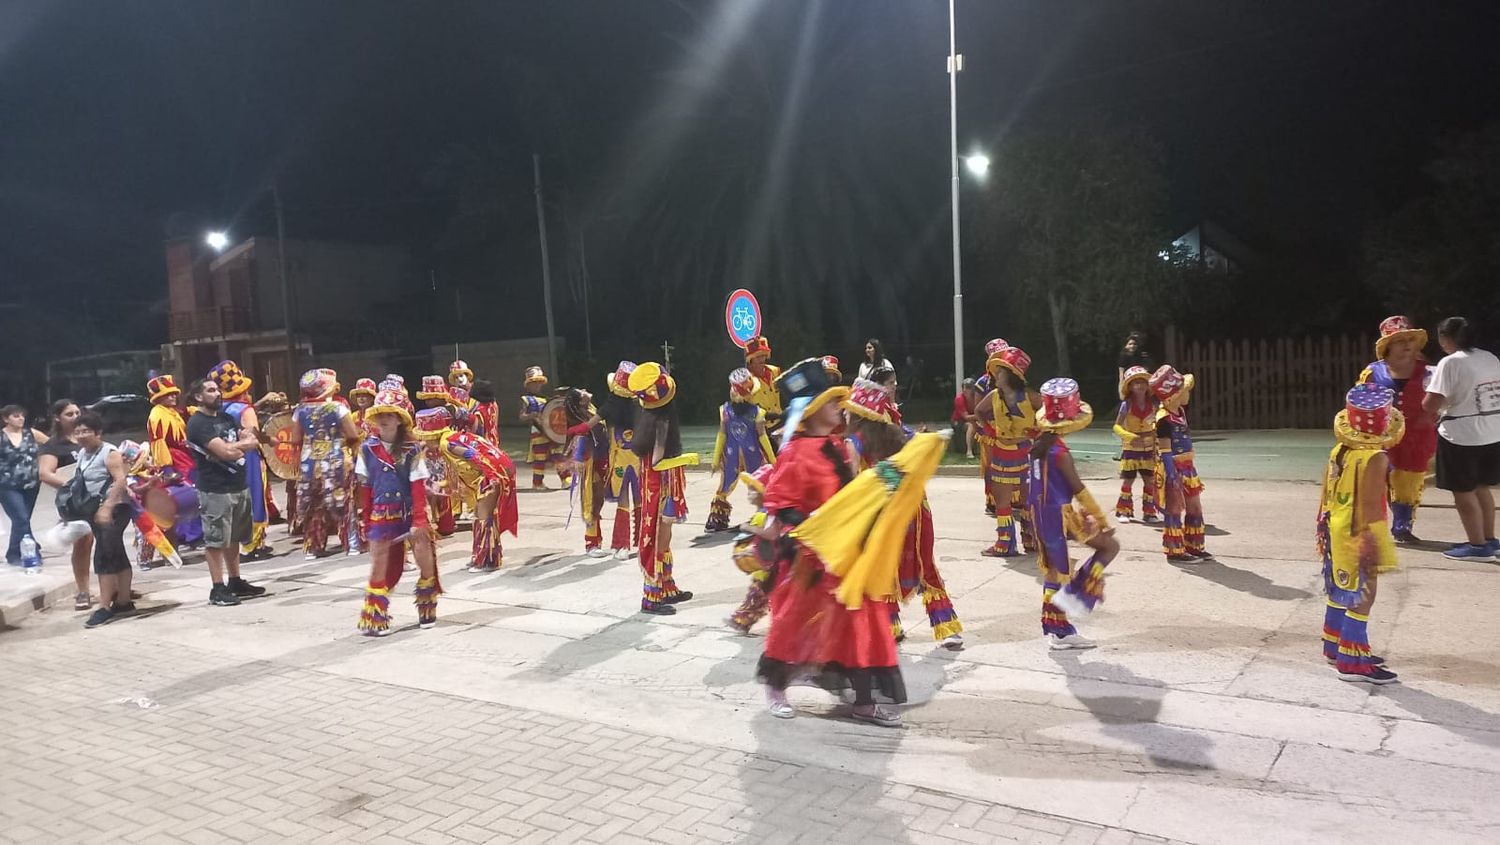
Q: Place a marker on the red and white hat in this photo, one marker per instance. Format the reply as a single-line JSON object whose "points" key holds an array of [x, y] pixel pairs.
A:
{"points": [[1397, 328], [318, 384], [869, 400], [831, 365], [389, 401], [757, 347], [1370, 419], [534, 375], [433, 387], [994, 346], [741, 385], [619, 380], [364, 386], [1166, 382], [1011, 358], [1063, 410], [432, 422], [459, 368]]}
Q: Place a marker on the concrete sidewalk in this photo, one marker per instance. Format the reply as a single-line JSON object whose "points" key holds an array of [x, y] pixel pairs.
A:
{"points": [[544, 708]]}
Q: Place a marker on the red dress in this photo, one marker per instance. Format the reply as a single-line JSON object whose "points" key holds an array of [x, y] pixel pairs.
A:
{"points": [[809, 627]]}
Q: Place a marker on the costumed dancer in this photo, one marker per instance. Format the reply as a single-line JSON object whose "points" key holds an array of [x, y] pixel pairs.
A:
{"points": [[984, 429], [658, 443], [143, 480], [875, 437], [171, 459], [434, 392], [831, 367], [1054, 487], [624, 489], [1402, 369], [589, 452], [480, 466], [755, 554], [1182, 517], [322, 428], [360, 398], [1135, 425], [486, 419], [543, 451], [461, 378], [765, 395], [1353, 539], [266, 407], [1010, 409], [742, 445], [234, 390], [392, 475]]}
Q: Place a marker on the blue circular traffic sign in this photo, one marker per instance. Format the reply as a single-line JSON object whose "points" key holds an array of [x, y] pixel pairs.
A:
{"points": [[742, 317]]}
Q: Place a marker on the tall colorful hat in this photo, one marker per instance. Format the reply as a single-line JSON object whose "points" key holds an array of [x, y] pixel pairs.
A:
{"points": [[137, 458], [232, 381], [831, 364], [650, 384], [741, 385], [433, 387], [397, 382], [1063, 410], [994, 346], [757, 480], [388, 401], [984, 383], [757, 347], [1397, 328], [1166, 382], [459, 368], [1012, 358], [619, 380], [806, 388], [363, 387], [431, 423], [161, 387], [318, 384], [458, 397], [534, 375], [1132, 375], [869, 400], [1370, 419]]}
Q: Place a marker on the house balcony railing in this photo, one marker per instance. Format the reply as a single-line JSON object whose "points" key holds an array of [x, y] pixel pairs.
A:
{"points": [[208, 322]]}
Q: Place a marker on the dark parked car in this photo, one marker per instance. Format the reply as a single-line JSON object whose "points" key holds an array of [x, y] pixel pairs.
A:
{"points": [[125, 412]]}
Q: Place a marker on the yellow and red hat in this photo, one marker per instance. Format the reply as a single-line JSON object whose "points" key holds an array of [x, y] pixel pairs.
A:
{"points": [[831, 365], [1133, 374], [459, 368], [390, 401], [869, 400], [232, 381], [1166, 382], [1397, 328], [757, 480], [433, 387], [1370, 419], [534, 375], [363, 387], [994, 346], [161, 387], [431, 423], [317, 385], [652, 386], [757, 347], [1063, 410], [1011, 358]]}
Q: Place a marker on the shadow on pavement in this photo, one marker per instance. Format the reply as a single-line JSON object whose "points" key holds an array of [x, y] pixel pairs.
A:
{"points": [[709, 541], [1241, 580], [1133, 718], [1440, 712]]}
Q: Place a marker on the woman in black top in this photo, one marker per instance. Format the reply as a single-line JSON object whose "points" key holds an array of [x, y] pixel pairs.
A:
{"points": [[61, 451], [19, 480], [1134, 354]]}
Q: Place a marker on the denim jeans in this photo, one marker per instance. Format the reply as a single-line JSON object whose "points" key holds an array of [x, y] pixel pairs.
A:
{"points": [[18, 505]]}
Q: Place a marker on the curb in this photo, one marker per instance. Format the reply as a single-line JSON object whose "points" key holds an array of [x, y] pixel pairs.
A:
{"points": [[14, 609]]}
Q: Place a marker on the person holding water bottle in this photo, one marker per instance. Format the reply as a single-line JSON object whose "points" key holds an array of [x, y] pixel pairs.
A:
{"points": [[20, 481]]}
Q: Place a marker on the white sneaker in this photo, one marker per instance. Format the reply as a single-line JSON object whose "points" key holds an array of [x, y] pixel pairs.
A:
{"points": [[1069, 603], [780, 709], [1123, 519], [1070, 641], [352, 552], [310, 556], [598, 553], [954, 642]]}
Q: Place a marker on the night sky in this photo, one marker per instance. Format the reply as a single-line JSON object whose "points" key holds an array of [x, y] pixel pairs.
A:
{"points": [[1293, 124]]}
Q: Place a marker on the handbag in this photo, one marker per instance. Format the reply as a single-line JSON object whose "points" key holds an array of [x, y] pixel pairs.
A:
{"points": [[74, 502]]}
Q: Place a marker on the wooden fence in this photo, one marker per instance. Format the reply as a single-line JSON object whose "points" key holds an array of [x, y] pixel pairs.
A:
{"points": [[1279, 383]]}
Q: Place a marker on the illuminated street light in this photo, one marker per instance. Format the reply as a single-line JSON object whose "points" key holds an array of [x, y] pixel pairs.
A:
{"points": [[217, 241], [978, 164]]}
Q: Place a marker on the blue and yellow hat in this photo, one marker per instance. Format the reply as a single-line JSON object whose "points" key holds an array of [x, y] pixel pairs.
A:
{"points": [[232, 381]]}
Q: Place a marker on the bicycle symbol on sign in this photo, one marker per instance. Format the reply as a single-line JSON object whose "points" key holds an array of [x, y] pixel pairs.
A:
{"points": [[743, 319]]}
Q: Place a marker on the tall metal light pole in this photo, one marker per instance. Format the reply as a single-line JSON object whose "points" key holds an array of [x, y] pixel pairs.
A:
{"points": [[955, 64], [286, 295], [541, 224]]}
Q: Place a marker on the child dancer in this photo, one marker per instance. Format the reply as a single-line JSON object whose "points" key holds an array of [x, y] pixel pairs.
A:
{"points": [[658, 443], [1353, 539], [392, 482], [1010, 409], [1135, 425], [588, 451], [742, 445], [475, 466], [1182, 531], [755, 554], [624, 487], [1055, 485]]}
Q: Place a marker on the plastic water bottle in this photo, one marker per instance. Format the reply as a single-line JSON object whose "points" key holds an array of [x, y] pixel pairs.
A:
{"points": [[31, 556]]}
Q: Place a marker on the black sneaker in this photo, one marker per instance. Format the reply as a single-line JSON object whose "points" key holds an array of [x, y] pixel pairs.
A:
{"points": [[244, 589], [262, 553], [1378, 676], [102, 616], [657, 608], [222, 596], [680, 597], [123, 608]]}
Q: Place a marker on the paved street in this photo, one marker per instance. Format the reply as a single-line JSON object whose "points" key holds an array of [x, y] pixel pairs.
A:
{"points": [[543, 708]]}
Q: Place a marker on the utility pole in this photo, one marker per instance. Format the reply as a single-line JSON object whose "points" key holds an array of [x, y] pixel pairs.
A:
{"points": [[541, 225], [588, 328], [955, 64], [286, 295]]}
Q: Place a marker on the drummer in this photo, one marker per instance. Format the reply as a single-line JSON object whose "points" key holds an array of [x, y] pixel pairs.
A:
{"points": [[546, 443]]}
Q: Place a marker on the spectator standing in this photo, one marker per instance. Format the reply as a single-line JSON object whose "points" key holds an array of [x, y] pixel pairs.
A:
{"points": [[57, 454], [219, 448], [1134, 354], [965, 416], [1465, 394], [874, 359], [19, 478], [103, 473]]}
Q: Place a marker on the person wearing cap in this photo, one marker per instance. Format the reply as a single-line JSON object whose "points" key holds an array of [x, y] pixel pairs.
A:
{"points": [[392, 477], [754, 554], [1464, 396], [1400, 368], [481, 468], [1182, 489], [542, 450], [588, 455], [1055, 487], [1135, 425], [875, 437], [765, 395], [1010, 411], [235, 397], [657, 441], [850, 648], [1352, 537], [624, 488], [742, 446], [321, 428]]}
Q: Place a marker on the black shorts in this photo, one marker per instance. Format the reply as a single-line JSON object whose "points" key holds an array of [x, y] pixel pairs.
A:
{"points": [[110, 554], [1460, 469]]}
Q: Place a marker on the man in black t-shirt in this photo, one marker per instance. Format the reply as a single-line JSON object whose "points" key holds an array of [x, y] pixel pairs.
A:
{"points": [[219, 448]]}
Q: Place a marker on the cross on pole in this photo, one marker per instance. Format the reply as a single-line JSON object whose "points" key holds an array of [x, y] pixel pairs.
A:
{"points": [[666, 355]]}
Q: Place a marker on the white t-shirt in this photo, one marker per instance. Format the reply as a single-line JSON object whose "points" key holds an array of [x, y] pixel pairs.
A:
{"points": [[865, 368], [1469, 381], [418, 465]]}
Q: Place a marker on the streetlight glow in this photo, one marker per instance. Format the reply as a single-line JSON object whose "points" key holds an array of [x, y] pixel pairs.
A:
{"points": [[978, 164], [217, 240]]}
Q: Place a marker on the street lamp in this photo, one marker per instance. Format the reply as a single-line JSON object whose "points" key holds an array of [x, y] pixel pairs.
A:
{"points": [[978, 164], [217, 241], [955, 64]]}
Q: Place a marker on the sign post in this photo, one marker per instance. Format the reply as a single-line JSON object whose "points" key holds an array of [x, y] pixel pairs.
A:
{"points": [[742, 317]]}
